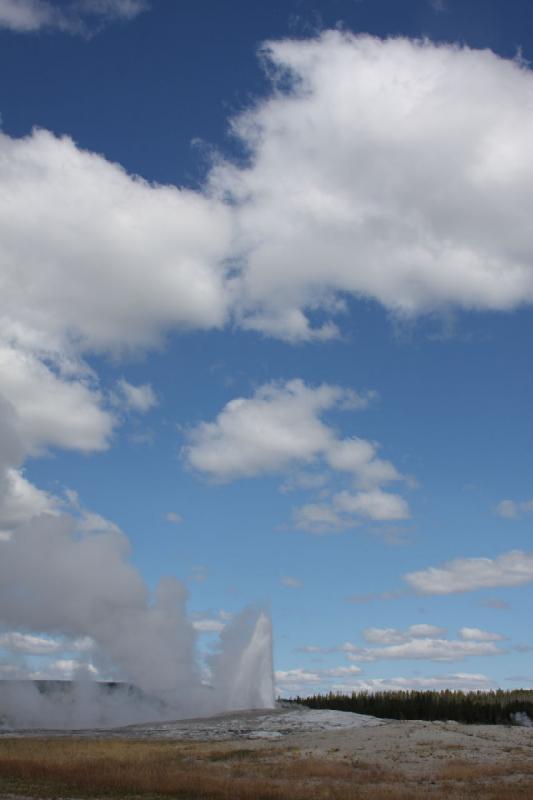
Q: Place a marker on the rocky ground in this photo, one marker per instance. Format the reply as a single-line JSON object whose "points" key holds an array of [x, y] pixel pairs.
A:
{"points": [[430, 757]]}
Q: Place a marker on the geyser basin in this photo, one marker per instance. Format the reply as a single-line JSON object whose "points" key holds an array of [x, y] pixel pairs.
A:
{"points": [[241, 673]]}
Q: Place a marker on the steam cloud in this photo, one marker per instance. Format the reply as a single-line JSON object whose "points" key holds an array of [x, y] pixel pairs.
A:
{"points": [[58, 578]]}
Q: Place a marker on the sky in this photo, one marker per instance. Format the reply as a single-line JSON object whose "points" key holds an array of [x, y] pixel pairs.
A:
{"points": [[266, 275]]}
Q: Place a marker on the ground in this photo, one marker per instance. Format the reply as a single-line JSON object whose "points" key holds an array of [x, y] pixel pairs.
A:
{"points": [[287, 754]]}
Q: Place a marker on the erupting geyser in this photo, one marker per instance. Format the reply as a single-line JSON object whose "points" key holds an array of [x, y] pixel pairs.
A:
{"points": [[77, 591], [241, 677]]}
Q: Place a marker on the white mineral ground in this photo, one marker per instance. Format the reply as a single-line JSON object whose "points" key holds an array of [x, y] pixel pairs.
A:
{"points": [[417, 747]]}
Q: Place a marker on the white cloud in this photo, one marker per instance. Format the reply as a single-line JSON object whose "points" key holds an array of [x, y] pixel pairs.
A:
{"points": [[27, 16], [69, 669], [87, 520], [395, 636], [94, 259], [359, 457], [341, 672], [427, 649], [279, 428], [319, 518], [459, 680], [421, 641], [22, 500], [375, 504], [300, 675], [90, 521], [291, 582], [397, 170], [467, 574], [422, 629], [52, 409], [29, 644], [136, 398], [512, 509], [119, 9], [119, 260], [312, 217], [478, 635], [303, 680], [275, 428]]}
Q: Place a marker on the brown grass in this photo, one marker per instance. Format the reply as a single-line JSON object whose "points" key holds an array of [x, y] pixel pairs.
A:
{"points": [[196, 771], [461, 770]]}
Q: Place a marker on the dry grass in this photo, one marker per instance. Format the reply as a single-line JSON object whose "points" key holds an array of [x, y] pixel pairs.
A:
{"points": [[195, 771], [462, 770]]}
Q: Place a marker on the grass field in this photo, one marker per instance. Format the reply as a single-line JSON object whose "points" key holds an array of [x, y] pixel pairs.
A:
{"points": [[72, 768]]}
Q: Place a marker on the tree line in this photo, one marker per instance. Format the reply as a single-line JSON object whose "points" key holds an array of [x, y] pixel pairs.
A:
{"points": [[495, 707]]}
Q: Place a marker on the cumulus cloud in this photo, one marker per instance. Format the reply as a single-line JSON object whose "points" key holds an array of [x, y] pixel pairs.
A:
{"points": [[29, 16], [53, 408], [426, 642], [29, 644], [375, 504], [120, 9], [478, 635], [298, 675], [119, 260], [277, 427], [319, 518], [427, 649], [302, 681], [88, 520], [465, 681], [394, 169], [94, 259], [512, 509], [467, 574], [136, 398], [395, 636], [388, 169], [21, 500], [280, 428]]}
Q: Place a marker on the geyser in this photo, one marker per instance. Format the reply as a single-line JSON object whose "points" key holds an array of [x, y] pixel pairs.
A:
{"points": [[74, 587], [241, 676]]}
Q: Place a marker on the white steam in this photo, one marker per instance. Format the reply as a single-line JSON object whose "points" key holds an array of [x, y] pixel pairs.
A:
{"points": [[61, 577]]}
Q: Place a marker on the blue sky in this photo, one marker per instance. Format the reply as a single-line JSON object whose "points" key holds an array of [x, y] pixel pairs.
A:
{"points": [[265, 309]]}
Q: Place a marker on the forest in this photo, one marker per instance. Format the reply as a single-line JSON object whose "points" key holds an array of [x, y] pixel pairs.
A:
{"points": [[495, 707]]}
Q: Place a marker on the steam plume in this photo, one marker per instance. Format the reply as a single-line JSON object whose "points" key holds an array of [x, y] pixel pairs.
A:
{"points": [[60, 579]]}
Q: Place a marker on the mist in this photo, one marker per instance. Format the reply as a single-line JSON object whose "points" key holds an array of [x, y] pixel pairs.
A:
{"points": [[62, 579]]}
